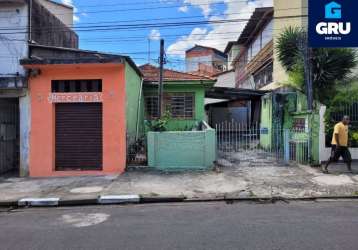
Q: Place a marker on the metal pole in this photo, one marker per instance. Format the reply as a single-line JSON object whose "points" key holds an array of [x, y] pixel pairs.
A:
{"points": [[161, 68], [148, 50]]}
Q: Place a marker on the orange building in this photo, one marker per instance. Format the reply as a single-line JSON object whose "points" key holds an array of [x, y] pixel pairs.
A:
{"points": [[78, 111]]}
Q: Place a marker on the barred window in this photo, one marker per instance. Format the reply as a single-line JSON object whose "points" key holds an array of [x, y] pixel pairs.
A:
{"points": [[68, 86], [180, 105], [151, 107]]}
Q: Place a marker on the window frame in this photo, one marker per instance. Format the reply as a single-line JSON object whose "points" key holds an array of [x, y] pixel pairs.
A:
{"points": [[154, 114], [177, 95]]}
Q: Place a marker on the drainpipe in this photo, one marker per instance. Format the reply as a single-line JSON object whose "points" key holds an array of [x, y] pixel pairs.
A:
{"points": [[138, 109]]}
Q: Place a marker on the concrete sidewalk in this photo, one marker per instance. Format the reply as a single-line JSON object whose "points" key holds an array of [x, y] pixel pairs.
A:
{"points": [[228, 182]]}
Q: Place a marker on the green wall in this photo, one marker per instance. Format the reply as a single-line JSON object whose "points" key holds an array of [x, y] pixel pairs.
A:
{"points": [[182, 150], [312, 118], [295, 106], [133, 104], [198, 89]]}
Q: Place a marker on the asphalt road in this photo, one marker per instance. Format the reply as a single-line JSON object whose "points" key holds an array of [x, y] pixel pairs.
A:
{"points": [[319, 225]]}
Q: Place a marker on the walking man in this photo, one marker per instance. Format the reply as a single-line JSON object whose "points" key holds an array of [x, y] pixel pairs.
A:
{"points": [[340, 144]]}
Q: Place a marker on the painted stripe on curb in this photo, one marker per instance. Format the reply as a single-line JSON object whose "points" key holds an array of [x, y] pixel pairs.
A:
{"points": [[118, 199], [38, 202]]}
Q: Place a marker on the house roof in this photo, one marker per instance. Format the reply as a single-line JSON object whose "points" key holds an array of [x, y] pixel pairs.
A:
{"points": [[229, 46], [224, 72], [13, 1], [206, 47], [257, 20], [151, 74], [41, 55], [234, 93]]}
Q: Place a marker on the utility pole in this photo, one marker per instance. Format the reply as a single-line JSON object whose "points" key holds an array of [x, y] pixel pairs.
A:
{"points": [[161, 68], [148, 49]]}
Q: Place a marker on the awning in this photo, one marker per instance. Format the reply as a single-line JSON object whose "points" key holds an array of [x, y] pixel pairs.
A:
{"points": [[234, 94]]}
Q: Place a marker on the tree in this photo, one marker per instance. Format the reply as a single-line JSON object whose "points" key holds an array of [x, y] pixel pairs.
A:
{"points": [[330, 66]]}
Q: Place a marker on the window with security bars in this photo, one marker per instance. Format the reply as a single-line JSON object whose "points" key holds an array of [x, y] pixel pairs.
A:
{"points": [[151, 107], [68, 86], [180, 105]]}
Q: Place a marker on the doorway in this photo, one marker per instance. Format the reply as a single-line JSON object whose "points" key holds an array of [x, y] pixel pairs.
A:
{"points": [[9, 136]]}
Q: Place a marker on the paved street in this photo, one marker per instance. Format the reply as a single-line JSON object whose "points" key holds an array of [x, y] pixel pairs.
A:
{"points": [[320, 225]]}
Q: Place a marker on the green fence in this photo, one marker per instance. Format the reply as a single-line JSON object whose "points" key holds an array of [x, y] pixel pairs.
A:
{"points": [[182, 150]]}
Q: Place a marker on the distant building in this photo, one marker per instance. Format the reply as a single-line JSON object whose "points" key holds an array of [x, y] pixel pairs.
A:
{"points": [[205, 61], [257, 65], [254, 63], [232, 50], [287, 13]]}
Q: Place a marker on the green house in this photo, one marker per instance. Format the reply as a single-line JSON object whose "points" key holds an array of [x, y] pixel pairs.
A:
{"points": [[288, 111], [183, 96]]}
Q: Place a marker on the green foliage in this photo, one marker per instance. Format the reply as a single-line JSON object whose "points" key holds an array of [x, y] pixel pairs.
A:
{"points": [[160, 124], [330, 66], [288, 47], [297, 77], [345, 97], [355, 136]]}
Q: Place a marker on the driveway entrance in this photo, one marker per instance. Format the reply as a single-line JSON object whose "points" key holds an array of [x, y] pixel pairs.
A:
{"points": [[253, 146]]}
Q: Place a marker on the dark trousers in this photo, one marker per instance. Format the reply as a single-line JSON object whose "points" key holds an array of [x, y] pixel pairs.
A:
{"points": [[338, 152]]}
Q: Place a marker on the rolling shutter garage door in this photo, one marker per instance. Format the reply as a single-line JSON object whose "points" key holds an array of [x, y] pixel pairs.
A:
{"points": [[78, 136]]}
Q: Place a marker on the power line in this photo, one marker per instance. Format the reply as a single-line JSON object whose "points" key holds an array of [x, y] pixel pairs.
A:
{"points": [[151, 19], [158, 25], [141, 9], [124, 10], [148, 8], [141, 26]]}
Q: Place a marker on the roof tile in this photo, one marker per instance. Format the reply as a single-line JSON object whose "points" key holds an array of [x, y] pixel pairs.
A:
{"points": [[151, 73]]}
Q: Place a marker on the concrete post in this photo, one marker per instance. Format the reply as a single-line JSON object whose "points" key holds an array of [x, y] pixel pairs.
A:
{"points": [[25, 121], [286, 142]]}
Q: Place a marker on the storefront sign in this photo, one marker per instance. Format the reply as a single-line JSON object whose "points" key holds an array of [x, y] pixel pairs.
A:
{"points": [[81, 97], [333, 23]]}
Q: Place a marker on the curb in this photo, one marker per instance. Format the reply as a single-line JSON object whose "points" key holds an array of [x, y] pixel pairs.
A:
{"points": [[38, 202], [118, 199], [138, 199]]}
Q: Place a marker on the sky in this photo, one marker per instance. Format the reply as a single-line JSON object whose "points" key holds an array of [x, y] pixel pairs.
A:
{"points": [[201, 22]]}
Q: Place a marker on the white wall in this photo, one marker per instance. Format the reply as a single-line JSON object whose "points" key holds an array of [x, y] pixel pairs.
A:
{"points": [[235, 50], [65, 14], [226, 80], [324, 152], [13, 47], [192, 63]]}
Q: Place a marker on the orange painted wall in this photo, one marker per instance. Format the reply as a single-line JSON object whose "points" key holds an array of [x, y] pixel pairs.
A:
{"points": [[42, 138]]}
